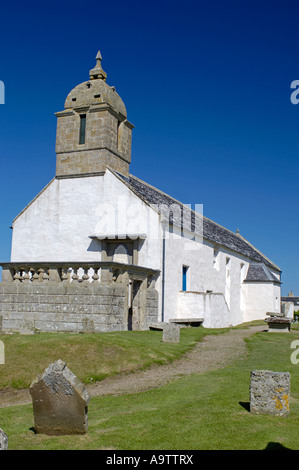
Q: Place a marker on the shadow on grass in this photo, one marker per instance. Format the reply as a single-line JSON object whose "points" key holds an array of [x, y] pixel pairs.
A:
{"points": [[275, 446], [245, 404]]}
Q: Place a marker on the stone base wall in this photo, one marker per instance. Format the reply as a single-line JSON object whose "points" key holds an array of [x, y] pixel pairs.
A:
{"points": [[63, 307], [85, 297]]}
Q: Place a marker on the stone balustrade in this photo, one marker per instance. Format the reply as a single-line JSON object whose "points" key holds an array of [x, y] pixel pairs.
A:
{"points": [[75, 272], [76, 296]]}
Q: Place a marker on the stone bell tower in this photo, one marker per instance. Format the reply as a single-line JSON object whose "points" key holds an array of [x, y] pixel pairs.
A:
{"points": [[93, 132]]}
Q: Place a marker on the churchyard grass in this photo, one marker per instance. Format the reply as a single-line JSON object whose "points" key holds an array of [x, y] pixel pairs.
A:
{"points": [[207, 411], [91, 356]]}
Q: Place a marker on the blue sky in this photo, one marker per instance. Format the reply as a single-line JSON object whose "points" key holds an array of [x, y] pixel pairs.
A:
{"points": [[206, 84]]}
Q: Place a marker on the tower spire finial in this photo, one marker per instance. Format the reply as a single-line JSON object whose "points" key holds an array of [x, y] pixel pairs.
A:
{"points": [[97, 71]]}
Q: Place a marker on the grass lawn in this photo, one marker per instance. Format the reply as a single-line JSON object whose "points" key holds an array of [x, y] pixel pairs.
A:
{"points": [[91, 357], [208, 411]]}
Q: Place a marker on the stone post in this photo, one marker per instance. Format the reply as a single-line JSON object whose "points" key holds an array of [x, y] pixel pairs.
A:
{"points": [[171, 333], [54, 275], [270, 392], [7, 275]]}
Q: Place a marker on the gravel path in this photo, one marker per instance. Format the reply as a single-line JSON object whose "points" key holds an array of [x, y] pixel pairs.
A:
{"points": [[213, 352]]}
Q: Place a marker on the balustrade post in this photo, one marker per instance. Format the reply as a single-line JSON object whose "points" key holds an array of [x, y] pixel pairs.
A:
{"points": [[85, 276], [65, 276], [96, 276], [53, 274], [43, 275], [25, 275], [7, 275], [75, 276], [34, 275], [17, 276], [106, 275]]}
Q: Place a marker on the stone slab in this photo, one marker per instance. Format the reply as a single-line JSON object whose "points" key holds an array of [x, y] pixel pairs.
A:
{"points": [[279, 324]]}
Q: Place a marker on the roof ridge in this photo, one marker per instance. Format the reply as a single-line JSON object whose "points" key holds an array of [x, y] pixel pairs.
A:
{"points": [[236, 236], [210, 220]]}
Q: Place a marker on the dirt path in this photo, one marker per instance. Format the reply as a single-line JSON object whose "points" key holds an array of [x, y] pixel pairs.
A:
{"points": [[213, 352]]}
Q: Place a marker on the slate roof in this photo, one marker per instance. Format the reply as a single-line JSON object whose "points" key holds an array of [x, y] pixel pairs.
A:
{"points": [[294, 300], [211, 231], [258, 272]]}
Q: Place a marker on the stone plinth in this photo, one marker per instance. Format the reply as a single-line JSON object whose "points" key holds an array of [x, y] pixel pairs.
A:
{"points": [[270, 392], [278, 322], [59, 402], [171, 333]]}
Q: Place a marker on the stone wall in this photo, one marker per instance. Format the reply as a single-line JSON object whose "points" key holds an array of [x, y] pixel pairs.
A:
{"points": [[49, 300], [60, 307], [107, 142]]}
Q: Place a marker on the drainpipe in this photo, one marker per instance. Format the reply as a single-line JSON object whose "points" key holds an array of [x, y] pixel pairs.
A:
{"points": [[163, 274]]}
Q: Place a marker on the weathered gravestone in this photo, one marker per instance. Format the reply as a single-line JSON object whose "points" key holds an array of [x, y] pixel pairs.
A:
{"points": [[278, 322], [171, 333], [59, 401], [3, 440], [27, 327], [270, 392]]}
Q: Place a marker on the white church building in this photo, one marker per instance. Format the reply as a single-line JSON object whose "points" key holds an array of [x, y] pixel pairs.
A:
{"points": [[95, 211]]}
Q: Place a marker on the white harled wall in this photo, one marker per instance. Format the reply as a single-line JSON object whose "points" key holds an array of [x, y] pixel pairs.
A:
{"points": [[57, 226], [215, 285]]}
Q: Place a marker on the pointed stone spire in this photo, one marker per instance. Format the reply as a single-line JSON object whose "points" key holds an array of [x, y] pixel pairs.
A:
{"points": [[97, 72]]}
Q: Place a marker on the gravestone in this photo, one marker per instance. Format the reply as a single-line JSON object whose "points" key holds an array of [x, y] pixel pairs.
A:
{"points": [[27, 327], [3, 440], [278, 322], [171, 333], [59, 401], [270, 392]]}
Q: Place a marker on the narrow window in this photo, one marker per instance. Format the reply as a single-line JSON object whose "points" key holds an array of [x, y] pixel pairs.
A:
{"points": [[184, 278], [242, 277], [216, 258], [82, 128], [227, 282], [171, 222], [118, 135]]}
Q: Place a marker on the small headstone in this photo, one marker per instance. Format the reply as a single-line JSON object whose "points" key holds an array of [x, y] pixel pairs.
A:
{"points": [[59, 401], [3, 440], [27, 327], [270, 392], [171, 333]]}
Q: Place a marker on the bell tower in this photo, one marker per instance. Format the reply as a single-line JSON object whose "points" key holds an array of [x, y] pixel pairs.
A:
{"points": [[93, 132]]}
